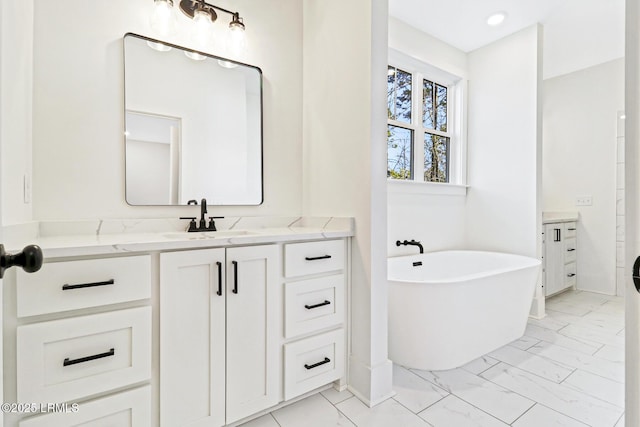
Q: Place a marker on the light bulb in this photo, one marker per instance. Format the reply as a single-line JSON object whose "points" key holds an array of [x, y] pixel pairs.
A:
{"points": [[201, 33], [236, 41], [160, 47], [194, 55], [163, 20], [226, 64]]}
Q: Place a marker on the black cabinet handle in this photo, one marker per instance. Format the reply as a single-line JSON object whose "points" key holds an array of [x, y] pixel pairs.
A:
{"points": [[317, 257], [219, 264], [571, 274], [311, 307], [68, 361], [235, 277], [315, 365], [571, 229], [87, 285], [571, 249], [30, 259], [558, 235]]}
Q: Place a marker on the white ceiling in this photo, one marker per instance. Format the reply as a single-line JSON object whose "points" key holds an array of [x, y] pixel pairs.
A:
{"points": [[577, 33]]}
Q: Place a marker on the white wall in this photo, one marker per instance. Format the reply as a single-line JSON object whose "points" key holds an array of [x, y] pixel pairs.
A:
{"points": [[16, 91], [502, 210], [580, 123], [435, 220], [632, 208], [344, 110], [78, 145]]}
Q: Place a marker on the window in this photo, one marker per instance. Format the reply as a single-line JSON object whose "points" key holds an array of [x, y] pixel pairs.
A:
{"points": [[421, 127]]}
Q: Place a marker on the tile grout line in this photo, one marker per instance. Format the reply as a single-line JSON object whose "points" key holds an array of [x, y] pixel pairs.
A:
{"points": [[495, 384], [338, 409], [426, 407], [474, 406], [522, 415], [274, 418]]}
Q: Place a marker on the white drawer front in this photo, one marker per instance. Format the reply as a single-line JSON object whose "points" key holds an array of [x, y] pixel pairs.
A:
{"points": [[571, 250], [313, 257], [70, 285], [313, 362], [570, 229], [125, 409], [62, 360], [313, 304], [570, 274]]}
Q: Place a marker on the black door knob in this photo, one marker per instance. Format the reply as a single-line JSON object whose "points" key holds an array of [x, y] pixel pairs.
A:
{"points": [[636, 274], [30, 259]]}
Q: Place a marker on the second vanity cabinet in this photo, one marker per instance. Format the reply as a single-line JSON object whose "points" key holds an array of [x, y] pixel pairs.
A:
{"points": [[209, 298], [559, 256]]}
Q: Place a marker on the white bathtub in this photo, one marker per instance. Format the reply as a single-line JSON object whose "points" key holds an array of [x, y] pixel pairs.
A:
{"points": [[456, 306]]}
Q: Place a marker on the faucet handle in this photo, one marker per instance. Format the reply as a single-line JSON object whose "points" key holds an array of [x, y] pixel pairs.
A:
{"points": [[192, 223], [212, 223]]}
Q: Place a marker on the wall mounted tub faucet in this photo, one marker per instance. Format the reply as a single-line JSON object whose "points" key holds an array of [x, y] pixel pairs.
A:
{"points": [[412, 243]]}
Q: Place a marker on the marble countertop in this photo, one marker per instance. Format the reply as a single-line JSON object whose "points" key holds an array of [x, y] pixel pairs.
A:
{"points": [[103, 237], [550, 217]]}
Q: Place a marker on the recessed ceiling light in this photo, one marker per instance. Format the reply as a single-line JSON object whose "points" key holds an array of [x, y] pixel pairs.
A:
{"points": [[496, 19]]}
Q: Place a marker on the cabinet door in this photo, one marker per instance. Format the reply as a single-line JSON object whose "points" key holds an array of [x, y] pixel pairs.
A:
{"points": [[253, 367], [554, 258], [192, 338]]}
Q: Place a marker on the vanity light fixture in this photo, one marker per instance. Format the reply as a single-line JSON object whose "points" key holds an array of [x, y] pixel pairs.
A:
{"points": [[203, 15], [496, 19]]}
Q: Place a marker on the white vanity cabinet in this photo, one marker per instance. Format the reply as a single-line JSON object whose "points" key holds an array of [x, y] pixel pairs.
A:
{"points": [[83, 335], [560, 256], [314, 315], [193, 332], [218, 334]]}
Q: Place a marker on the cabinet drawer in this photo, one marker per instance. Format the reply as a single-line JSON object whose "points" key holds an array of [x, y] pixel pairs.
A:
{"points": [[570, 229], [570, 274], [313, 362], [313, 304], [570, 248], [70, 285], [126, 409], [67, 359], [313, 257]]}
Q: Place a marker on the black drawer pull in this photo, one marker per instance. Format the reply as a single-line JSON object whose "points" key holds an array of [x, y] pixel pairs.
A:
{"points": [[219, 292], [68, 361], [315, 258], [235, 277], [315, 365], [571, 249], [571, 229], [310, 307], [571, 274], [87, 285]]}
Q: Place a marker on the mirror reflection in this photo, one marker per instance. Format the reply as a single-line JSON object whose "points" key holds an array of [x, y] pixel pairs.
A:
{"points": [[193, 126]]}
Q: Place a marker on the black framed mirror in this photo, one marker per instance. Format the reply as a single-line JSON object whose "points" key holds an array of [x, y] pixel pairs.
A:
{"points": [[193, 126]]}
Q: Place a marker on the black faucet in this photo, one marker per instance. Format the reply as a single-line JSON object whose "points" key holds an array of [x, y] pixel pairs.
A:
{"points": [[412, 243], [203, 212], [193, 226]]}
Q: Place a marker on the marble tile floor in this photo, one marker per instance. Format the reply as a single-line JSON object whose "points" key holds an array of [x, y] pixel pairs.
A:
{"points": [[568, 370]]}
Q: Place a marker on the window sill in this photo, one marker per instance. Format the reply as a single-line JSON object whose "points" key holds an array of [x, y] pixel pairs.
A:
{"points": [[414, 187]]}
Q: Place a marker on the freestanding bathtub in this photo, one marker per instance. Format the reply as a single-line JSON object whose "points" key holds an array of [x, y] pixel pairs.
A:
{"points": [[449, 308]]}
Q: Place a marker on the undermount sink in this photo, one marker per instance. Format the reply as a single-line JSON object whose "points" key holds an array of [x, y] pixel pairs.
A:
{"points": [[207, 234]]}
